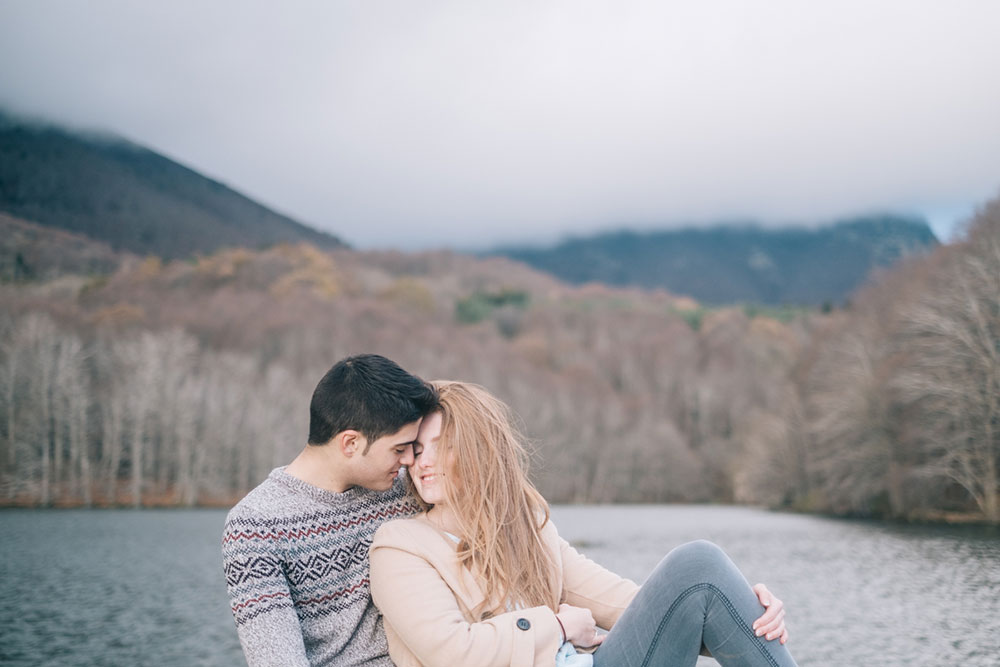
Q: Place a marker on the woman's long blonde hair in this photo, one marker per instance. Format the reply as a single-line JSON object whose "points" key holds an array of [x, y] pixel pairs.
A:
{"points": [[500, 513]]}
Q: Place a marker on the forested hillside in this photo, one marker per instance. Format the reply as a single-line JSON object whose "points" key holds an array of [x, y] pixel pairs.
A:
{"points": [[31, 252], [130, 197], [185, 382], [739, 264]]}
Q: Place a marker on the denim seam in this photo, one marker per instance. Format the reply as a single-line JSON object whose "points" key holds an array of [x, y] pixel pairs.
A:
{"points": [[732, 612]]}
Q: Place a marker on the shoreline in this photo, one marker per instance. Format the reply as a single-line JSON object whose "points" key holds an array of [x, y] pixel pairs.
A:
{"points": [[929, 519]]}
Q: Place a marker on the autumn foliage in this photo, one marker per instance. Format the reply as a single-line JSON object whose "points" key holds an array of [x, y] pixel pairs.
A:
{"points": [[186, 382]]}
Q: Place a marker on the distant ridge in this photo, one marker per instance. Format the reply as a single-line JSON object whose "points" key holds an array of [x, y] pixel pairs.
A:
{"points": [[31, 252], [134, 199], [733, 264]]}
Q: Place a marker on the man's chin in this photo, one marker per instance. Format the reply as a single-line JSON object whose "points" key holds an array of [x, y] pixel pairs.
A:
{"points": [[384, 486]]}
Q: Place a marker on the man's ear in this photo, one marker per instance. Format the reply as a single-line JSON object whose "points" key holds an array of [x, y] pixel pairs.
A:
{"points": [[350, 442]]}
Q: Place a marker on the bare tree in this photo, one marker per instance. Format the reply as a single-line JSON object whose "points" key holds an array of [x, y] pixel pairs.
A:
{"points": [[953, 380], [141, 362], [72, 388]]}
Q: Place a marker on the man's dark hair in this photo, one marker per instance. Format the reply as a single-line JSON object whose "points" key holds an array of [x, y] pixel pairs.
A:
{"points": [[369, 394]]}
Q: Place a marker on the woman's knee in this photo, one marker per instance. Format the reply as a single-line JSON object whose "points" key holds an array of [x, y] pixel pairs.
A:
{"points": [[701, 553], [697, 562]]}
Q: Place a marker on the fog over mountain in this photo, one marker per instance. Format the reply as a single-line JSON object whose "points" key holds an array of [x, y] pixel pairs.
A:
{"points": [[134, 199], [445, 123]]}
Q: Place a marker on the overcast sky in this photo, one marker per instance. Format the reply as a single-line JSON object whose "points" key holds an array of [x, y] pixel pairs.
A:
{"points": [[414, 124]]}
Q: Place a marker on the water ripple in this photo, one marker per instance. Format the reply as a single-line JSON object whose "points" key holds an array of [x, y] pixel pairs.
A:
{"points": [[146, 587]]}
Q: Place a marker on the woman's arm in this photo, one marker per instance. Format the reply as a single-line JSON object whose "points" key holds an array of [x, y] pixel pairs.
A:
{"points": [[587, 584], [422, 610]]}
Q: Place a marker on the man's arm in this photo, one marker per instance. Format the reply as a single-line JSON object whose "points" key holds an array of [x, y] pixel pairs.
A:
{"points": [[259, 595]]}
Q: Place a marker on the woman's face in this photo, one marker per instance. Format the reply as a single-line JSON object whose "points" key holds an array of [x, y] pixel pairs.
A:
{"points": [[431, 463]]}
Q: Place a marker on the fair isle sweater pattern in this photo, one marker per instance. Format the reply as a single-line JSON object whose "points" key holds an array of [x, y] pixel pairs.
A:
{"points": [[291, 547], [311, 562]]}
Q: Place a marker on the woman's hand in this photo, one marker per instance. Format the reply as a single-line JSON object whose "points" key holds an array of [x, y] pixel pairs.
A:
{"points": [[579, 624], [771, 625]]}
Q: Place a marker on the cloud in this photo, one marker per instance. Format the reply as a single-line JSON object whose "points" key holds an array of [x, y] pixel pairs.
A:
{"points": [[418, 124]]}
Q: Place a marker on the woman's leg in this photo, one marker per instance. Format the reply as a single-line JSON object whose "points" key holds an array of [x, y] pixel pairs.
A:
{"points": [[695, 595]]}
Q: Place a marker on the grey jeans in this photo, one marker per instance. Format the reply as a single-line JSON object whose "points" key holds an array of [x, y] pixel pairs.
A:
{"points": [[695, 596]]}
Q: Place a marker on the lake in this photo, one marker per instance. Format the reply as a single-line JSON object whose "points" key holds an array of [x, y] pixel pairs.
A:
{"points": [[127, 587]]}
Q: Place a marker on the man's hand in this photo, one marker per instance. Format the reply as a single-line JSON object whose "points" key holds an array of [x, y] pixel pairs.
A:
{"points": [[771, 625]]}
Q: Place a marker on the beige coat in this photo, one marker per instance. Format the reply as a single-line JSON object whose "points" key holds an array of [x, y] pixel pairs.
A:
{"points": [[425, 598]]}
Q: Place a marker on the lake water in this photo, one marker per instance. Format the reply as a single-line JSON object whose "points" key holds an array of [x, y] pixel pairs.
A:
{"points": [[120, 587]]}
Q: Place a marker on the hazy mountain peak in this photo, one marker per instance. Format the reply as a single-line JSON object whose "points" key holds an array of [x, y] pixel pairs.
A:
{"points": [[109, 188], [738, 262]]}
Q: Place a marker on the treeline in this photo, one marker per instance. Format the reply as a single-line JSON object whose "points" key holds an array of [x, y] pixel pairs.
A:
{"points": [[902, 391], [185, 383], [144, 419]]}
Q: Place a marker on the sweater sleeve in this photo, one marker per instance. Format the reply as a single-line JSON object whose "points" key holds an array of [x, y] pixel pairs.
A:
{"points": [[420, 608], [260, 597], [587, 584]]}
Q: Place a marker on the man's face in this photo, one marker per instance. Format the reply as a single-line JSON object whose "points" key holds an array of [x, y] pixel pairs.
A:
{"points": [[377, 469]]}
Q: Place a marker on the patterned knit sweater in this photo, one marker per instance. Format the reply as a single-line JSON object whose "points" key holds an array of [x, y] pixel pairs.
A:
{"points": [[296, 564]]}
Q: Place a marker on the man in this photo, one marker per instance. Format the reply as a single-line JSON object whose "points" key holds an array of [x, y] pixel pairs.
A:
{"points": [[295, 549]]}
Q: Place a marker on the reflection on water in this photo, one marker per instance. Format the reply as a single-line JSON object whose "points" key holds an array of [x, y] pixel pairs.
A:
{"points": [[146, 587]]}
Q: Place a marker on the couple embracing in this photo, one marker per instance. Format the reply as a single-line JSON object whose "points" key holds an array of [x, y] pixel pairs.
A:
{"points": [[340, 558]]}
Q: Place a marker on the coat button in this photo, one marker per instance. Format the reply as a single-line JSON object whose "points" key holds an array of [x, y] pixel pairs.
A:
{"points": [[523, 623]]}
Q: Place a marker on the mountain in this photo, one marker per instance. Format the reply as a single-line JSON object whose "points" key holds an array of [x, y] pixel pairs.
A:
{"points": [[115, 191], [731, 264]]}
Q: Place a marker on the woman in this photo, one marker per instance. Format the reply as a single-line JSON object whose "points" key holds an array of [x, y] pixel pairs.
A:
{"points": [[481, 577]]}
